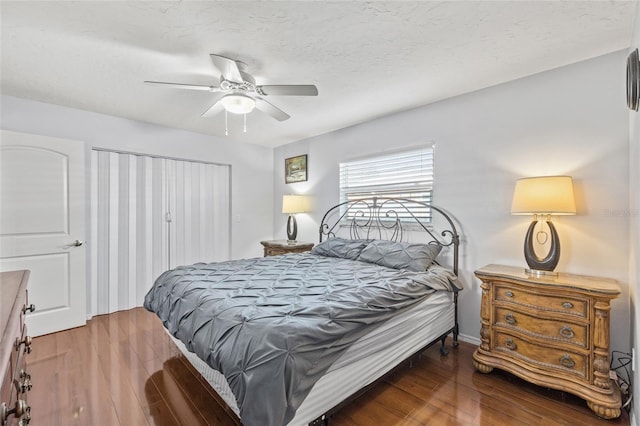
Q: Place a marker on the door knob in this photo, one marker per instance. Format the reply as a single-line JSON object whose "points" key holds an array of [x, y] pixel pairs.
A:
{"points": [[77, 243]]}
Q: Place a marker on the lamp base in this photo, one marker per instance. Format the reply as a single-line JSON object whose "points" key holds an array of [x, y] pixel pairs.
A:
{"points": [[548, 263], [539, 273], [292, 229]]}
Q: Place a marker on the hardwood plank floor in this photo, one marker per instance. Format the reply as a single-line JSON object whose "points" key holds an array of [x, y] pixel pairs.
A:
{"points": [[122, 369]]}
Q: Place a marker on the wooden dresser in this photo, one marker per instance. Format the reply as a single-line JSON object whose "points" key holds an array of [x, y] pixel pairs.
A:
{"points": [[277, 247], [551, 331], [14, 345]]}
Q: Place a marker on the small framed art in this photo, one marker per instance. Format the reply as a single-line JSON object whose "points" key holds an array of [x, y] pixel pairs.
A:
{"points": [[295, 169]]}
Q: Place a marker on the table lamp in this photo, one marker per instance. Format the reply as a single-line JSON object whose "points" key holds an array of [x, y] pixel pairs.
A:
{"points": [[543, 197], [292, 204]]}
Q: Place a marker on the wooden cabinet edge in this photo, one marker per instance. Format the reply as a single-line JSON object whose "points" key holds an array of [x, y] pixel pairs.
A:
{"points": [[278, 247], [607, 402], [14, 410], [589, 285]]}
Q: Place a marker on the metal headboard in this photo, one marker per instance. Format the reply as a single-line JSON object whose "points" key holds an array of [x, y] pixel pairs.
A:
{"points": [[380, 217]]}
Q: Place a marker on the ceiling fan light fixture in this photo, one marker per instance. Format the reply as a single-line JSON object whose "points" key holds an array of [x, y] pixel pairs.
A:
{"points": [[238, 92], [238, 103]]}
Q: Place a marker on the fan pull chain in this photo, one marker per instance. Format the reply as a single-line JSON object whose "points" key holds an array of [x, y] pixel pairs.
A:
{"points": [[245, 123], [226, 127]]}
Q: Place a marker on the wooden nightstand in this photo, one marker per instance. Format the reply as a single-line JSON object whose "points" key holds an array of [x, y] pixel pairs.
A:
{"points": [[551, 331], [276, 247]]}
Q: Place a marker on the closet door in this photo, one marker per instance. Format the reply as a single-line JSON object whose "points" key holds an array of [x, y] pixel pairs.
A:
{"points": [[198, 196], [150, 214]]}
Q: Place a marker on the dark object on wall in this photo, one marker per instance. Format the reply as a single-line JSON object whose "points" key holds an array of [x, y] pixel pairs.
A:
{"points": [[295, 169], [633, 80]]}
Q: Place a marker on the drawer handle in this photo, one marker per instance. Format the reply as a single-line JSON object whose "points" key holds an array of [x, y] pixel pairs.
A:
{"points": [[29, 308], [510, 319], [567, 305], [510, 344], [27, 344], [567, 332], [566, 361], [508, 293], [24, 386], [20, 409]]}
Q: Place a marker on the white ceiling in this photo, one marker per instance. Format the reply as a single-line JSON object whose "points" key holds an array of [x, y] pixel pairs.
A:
{"points": [[368, 59]]}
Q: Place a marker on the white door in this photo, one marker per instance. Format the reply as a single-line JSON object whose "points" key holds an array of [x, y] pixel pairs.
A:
{"points": [[42, 212]]}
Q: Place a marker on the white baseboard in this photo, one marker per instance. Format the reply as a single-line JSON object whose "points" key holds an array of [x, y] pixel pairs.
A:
{"points": [[469, 339]]}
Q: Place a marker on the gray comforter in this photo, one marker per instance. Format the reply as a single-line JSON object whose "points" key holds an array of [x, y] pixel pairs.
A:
{"points": [[273, 326]]}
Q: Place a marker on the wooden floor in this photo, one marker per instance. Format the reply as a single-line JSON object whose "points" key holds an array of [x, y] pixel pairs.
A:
{"points": [[122, 369]]}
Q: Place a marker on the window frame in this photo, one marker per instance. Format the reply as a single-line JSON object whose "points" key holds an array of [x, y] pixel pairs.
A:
{"points": [[401, 187]]}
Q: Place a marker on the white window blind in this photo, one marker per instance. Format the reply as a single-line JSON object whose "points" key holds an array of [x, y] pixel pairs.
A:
{"points": [[406, 174]]}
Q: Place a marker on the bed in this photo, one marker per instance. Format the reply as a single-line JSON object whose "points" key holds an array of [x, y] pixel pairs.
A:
{"points": [[290, 339]]}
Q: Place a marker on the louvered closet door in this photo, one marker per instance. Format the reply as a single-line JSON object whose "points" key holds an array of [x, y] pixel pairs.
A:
{"points": [[199, 206], [150, 214]]}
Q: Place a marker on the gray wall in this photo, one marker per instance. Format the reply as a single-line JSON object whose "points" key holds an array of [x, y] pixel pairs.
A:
{"points": [[251, 165], [570, 120]]}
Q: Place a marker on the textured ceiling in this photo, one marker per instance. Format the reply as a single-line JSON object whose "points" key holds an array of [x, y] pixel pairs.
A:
{"points": [[368, 59]]}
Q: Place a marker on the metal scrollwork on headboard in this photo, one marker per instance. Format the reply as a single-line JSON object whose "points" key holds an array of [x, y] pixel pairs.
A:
{"points": [[389, 219]]}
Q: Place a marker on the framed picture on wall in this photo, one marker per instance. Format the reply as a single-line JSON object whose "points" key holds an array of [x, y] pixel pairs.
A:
{"points": [[295, 169]]}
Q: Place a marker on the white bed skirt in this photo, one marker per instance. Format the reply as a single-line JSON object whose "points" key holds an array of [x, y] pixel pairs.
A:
{"points": [[369, 358]]}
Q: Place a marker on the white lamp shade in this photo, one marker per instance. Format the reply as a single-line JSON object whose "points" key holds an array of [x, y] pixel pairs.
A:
{"points": [[295, 204], [238, 103], [544, 195]]}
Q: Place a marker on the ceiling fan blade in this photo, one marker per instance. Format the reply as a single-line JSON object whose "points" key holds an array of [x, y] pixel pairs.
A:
{"points": [[215, 107], [289, 90], [270, 109], [184, 86], [228, 67]]}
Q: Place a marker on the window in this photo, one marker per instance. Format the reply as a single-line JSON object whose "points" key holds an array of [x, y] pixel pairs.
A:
{"points": [[406, 174]]}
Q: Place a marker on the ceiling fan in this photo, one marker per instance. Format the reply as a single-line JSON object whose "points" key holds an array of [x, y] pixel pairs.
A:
{"points": [[238, 92]]}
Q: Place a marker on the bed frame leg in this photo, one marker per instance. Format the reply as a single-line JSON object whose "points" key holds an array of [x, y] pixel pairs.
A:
{"points": [[443, 349], [455, 336], [455, 326]]}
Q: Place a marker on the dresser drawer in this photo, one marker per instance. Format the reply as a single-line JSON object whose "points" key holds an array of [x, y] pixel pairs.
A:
{"points": [[276, 251], [7, 388], [278, 247], [14, 380], [553, 330], [545, 302], [541, 356]]}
